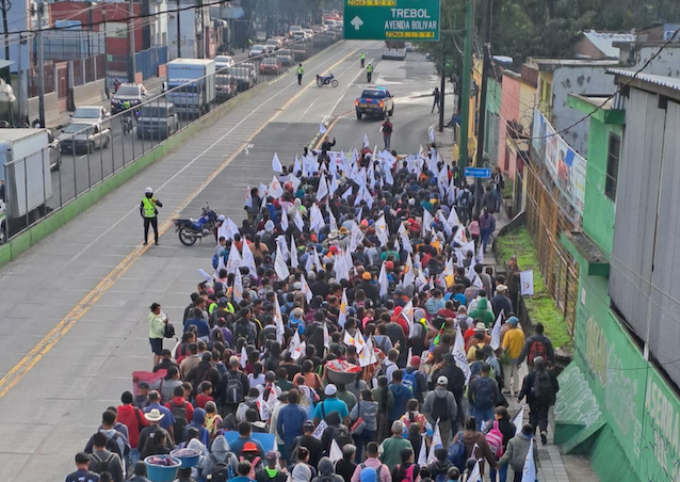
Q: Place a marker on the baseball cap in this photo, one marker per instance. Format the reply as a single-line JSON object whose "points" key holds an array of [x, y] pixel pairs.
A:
{"points": [[500, 288], [143, 385], [513, 320], [271, 456], [366, 275], [330, 390], [442, 381], [415, 361], [250, 447]]}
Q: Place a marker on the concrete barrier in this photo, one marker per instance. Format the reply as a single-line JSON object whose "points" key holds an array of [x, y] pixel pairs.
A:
{"points": [[52, 113], [90, 93]]}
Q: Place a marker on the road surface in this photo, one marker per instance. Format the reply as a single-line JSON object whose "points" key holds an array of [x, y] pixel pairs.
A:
{"points": [[74, 307]]}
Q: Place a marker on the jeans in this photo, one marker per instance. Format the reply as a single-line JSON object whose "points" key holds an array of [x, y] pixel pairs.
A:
{"points": [[361, 440], [483, 415], [496, 199], [435, 104], [386, 138], [134, 456], [502, 474], [485, 234], [299, 79], [153, 222]]}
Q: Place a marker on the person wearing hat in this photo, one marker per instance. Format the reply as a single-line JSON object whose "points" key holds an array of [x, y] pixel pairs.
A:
{"points": [[245, 443], [270, 472], [478, 337], [512, 344], [330, 404], [390, 448], [369, 287], [501, 302], [440, 404], [415, 379], [154, 417], [148, 209]]}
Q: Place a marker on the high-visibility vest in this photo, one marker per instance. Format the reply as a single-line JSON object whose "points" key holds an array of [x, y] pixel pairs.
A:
{"points": [[300, 71], [149, 207], [369, 69], [363, 56]]}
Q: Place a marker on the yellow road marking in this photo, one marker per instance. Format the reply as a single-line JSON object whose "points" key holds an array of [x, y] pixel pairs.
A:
{"points": [[57, 333]]}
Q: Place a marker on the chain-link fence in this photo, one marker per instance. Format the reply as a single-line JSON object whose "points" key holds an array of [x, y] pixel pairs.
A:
{"points": [[545, 223], [98, 143]]}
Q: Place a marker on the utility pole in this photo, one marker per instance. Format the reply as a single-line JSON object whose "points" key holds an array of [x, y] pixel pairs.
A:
{"points": [[179, 35], [132, 65], [106, 54], [442, 86], [202, 44], [465, 93], [486, 65], [5, 8], [41, 65]]}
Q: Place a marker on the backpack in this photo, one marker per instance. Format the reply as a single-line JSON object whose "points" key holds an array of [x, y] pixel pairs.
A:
{"points": [[537, 349], [440, 408], [112, 445], [442, 476], [483, 393], [241, 331], [495, 440], [215, 260], [410, 381], [464, 200], [456, 453], [169, 330], [103, 465], [409, 475], [234, 389], [180, 414], [543, 387], [220, 470], [377, 472]]}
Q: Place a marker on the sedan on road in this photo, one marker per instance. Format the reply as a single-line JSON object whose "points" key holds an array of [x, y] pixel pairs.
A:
{"points": [[270, 66], [257, 50], [91, 114], [79, 137], [285, 57]]}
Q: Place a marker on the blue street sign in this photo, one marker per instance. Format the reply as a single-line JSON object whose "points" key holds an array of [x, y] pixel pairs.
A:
{"points": [[482, 172]]}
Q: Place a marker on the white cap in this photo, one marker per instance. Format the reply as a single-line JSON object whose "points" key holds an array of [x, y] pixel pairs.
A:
{"points": [[330, 390], [221, 217], [148, 190]]}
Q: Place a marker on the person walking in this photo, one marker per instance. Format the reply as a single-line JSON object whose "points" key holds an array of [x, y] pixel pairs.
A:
{"points": [[440, 404], [516, 453], [148, 208], [369, 72], [537, 345], [156, 331], [483, 394], [386, 129], [487, 225], [498, 185], [513, 341], [363, 58], [300, 71], [539, 388], [436, 95]]}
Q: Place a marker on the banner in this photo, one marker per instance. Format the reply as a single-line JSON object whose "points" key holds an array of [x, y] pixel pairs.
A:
{"points": [[566, 168]]}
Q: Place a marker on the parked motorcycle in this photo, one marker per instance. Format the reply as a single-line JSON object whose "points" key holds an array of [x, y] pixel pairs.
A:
{"points": [[322, 80], [189, 230]]}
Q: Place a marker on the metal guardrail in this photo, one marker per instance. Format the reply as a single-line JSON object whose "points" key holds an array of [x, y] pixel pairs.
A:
{"points": [[82, 159]]}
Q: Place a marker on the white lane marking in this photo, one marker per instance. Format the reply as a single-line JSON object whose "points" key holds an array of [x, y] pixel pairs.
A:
{"points": [[307, 110], [205, 151]]}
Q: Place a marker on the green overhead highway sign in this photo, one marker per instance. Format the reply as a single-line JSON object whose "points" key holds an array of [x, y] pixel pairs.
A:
{"points": [[392, 19]]}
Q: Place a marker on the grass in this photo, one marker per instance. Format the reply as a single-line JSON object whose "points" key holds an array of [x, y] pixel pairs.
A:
{"points": [[509, 188], [541, 306]]}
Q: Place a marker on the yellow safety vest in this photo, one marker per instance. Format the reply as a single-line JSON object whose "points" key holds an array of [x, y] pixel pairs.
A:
{"points": [[369, 68], [300, 70], [363, 56], [149, 207]]}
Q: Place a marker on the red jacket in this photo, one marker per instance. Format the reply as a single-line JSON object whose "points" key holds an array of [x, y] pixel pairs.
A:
{"points": [[133, 421], [189, 407]]}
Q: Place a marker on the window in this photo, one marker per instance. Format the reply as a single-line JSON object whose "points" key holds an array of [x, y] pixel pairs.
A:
{"points": [[612, 165]]}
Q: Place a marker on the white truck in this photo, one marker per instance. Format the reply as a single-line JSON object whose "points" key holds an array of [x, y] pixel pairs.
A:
{"points": [[25, 168], [191, 85]]}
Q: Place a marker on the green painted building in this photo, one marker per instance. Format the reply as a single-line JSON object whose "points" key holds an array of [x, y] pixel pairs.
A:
{"points": [[493, 115], [613, 406]]}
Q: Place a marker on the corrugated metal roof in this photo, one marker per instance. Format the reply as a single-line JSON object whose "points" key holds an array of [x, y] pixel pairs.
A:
{"points": [[604, 41], [668, 82]]}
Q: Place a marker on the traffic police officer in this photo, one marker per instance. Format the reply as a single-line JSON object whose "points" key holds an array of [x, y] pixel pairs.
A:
{"points": [[369, 72], [363, 59], [300, 71], [148, 210]]}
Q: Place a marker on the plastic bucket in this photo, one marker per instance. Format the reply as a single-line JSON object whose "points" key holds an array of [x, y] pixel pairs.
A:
{"points": [[188, 457], [162, 473]]}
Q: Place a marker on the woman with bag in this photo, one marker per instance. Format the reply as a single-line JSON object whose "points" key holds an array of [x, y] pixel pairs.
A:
{"points": [[364, 417]]}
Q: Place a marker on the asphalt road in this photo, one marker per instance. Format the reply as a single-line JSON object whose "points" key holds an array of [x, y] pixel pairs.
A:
{"points": [[73, 325]]}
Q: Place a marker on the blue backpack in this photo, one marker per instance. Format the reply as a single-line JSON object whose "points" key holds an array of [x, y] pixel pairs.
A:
{"points": [[410, 381], [456, 453]]}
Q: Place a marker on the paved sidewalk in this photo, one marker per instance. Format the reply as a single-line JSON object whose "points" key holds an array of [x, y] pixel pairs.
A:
{"points": [[551, 464]]}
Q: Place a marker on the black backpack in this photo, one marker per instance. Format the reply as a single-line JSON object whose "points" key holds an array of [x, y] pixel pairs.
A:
{"points": [[169, 330], [103, 465], [220, 470], [234, 389], [241, 331], [112, 445], [180, 414], [440, 408], [464, 200], [543, 387]]}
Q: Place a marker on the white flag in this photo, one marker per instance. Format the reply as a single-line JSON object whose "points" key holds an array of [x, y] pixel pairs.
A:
{"points": [[322, 129], [356, 237], [405, 241], [275, 190], [205, 275], [496, 332], [430, 132], [436, 443], [220, 265], [427, 222], [366, 142], [480, 253], [447, 227], [284, 220], [475, 474], [326, 336], [407, 313], [293, 253], [333, 187], [276, 164], [518, 421], [249, 198], [317, 261], [526, 279], [409, 272], [381, 231], [331, 221], [422, 456], [306, 289], [297, 166], [234, 260], [244, 357], [283, 244], [342, 317], [320, 429], [347, 193], [247, 259], [315, 218], [298, 221], [280, 265], [309, 264], [529, 470], [263, 408], [322, 192], [383, 281], [237, 291], [278, 319], [296, 346], [335, 453], [459, 354]]}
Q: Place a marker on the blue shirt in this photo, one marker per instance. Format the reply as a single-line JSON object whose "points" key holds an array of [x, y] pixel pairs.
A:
{"points": [[202, 327], [402, 394], [289, 422], [331, 405], [237, 447], [82, 476], [240, 478], [168, 420]]}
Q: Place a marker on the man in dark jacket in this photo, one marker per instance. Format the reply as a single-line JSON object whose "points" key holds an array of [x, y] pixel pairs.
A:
{"points": [[368, 287], [82, 474], [230, 382], [327, 144], [311, 443], [501, 302], [539, 387], [537, 345], [205, 371], [319, 285]]}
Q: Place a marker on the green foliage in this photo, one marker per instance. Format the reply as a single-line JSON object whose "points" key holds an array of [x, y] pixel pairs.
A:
{"points": [[541, 306]]}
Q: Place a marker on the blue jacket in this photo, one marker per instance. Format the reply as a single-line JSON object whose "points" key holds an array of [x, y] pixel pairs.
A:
{"points": [[402, 394], [201, 325], [289, 422], [197, 422]]}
